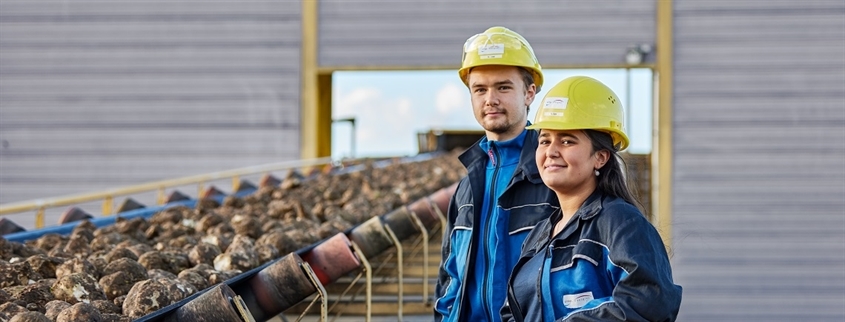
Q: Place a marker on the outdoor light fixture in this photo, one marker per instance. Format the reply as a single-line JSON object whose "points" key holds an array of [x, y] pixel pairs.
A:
{"points": [[636, 54], [351, 121]]}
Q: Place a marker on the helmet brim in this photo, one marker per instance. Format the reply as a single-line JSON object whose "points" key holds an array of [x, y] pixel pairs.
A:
{"points": [[620, 139]]}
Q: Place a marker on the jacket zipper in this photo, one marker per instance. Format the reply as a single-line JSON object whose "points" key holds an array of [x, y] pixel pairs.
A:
{"points": [[494, 155]]}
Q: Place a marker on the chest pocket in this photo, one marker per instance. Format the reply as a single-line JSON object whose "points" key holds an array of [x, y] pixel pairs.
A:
{"points": [[524, 218], [527, 204], [565, 257]]}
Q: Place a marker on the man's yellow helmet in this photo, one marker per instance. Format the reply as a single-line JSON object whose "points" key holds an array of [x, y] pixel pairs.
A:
{"points": [[499, 46], [582, 103]]}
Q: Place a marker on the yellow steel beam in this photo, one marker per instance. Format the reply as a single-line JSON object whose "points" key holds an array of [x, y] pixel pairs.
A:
{"points": [[330, 69], [315, 135], [663, 140], [324, 115]]}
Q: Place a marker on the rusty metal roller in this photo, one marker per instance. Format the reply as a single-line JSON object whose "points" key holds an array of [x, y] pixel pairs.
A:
{"points": [[423, 210], [423, 207], [400, 222], [215, 305], [175, 196], [9, 227], [442, 198], [371, 237], [268, 180], [212, 192], [244, 186], [332, 258], [129, 204], [73, 214], [276, 288]]}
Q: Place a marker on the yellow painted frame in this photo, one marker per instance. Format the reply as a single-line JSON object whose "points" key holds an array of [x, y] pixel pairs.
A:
{"points": [[331, 69], [316, 108], [317, 102], [662, 169]]}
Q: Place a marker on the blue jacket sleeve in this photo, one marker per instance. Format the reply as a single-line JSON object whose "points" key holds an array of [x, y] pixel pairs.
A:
{"points": [[447, 282], [640, 267]]}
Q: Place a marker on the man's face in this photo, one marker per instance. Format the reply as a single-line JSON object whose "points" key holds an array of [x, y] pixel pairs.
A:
{"points": [[500, 100]]}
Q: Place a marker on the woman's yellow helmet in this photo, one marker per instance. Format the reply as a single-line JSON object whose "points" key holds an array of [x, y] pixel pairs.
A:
{"points": [[582, 103]]}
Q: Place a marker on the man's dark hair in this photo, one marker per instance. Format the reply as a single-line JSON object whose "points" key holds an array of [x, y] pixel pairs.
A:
{"points": [[527, 79]]}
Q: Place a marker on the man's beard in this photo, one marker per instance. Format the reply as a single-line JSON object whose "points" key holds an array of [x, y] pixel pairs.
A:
{"points": [[498, 127]]}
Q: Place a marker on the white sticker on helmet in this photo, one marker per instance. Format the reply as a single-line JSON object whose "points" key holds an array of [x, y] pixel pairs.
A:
{"points": [[556, 114], [491, 49], [556, 103]]}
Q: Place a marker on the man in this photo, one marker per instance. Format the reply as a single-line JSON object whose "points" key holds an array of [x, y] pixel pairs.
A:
{"points": [[502, 197]]}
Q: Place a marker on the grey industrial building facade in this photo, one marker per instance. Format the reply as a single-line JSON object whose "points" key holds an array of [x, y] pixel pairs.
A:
{"points": [[100, 94]]}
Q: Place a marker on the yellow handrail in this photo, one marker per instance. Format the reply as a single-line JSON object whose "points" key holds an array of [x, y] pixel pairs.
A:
{"points": [[17, 207]]}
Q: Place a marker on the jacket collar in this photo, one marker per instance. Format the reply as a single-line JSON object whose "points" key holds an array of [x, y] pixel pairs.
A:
{"points": [[509, 152], [527, 160], [527, 164], [591, 207]]}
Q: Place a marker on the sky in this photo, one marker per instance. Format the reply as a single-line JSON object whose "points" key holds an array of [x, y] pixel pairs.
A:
{"points": [[391, 107]]}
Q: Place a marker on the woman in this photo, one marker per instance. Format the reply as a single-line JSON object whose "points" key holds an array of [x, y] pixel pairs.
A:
{"points": [[597, 258]]}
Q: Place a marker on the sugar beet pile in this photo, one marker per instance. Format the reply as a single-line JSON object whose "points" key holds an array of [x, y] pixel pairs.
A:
{"points": [[137, 266]]}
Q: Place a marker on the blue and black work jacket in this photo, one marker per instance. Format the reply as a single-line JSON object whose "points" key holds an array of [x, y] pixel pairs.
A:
{"points": [[607, 264], [494, 207]]}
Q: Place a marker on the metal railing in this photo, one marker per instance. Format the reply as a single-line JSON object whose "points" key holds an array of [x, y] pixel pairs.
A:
{"points": [[107, 196]]}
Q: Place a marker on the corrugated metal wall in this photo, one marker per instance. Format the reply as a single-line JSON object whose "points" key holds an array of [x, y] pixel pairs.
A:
{"points": [[431, 33], [759, 150], [96, 95]]}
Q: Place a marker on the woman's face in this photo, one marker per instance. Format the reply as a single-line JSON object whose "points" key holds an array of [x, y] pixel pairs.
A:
{"points": [[566, 160]]}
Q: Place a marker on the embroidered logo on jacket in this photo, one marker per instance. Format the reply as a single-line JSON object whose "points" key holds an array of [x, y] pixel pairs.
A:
{"points": [[574, 301]]}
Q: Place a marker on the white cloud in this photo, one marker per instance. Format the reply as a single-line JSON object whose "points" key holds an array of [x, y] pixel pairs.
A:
{"points": [[403, 106], [355, 101], [367, 135], [390, 126], [450, 98], [452, 108], [384, 124]]}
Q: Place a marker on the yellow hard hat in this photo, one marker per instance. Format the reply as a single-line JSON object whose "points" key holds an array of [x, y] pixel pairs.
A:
{"points": [[499, 46], [582, 103]]}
